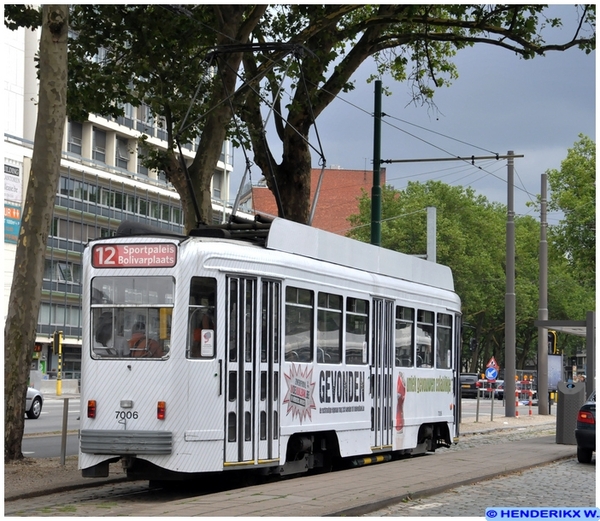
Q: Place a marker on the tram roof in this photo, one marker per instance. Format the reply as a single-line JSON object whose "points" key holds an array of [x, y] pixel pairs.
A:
{"points": [[299, 239]]}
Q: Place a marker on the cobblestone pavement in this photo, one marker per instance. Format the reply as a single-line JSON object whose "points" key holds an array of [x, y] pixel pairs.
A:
{"points": [[565, 483], [562, 484]]}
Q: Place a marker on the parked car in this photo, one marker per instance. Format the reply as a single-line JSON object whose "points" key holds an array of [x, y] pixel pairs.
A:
{"points": [[585, 431], [469, 384], [33, 403]]}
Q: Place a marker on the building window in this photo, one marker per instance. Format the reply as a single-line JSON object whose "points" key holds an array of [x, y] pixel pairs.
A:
{"points": [[121, 153], [217, 182], [177, 216], [141, 169], [165, 211], [107, 197], [99, 145], [145, 122], [75, 133], [127, 118]]}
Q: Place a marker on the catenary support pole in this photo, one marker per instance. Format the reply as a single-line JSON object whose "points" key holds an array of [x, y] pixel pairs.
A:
{"points": [[510, 299], [376, 190], [542, 374]]}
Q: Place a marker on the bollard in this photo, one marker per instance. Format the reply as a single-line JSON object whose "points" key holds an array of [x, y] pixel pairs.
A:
{"points": [[63, 440], [517, 404], [530, 402]]}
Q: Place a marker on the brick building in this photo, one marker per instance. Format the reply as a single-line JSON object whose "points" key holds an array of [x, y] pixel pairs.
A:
{"points": [[338, 198]]}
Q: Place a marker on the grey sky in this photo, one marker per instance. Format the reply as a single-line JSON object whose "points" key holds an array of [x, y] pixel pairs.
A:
{"points": [[499, 102]]}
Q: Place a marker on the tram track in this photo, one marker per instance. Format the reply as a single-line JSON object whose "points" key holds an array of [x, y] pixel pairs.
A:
{"points": [[123, 497], [119, 497]]}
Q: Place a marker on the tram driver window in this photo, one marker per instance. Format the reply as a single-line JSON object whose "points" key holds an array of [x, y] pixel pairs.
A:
{"points": [[299, 312], [131, 317], [424, 352], [202, 318]]}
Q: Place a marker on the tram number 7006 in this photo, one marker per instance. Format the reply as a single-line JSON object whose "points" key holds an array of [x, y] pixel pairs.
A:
{"points": [[126, 415]]}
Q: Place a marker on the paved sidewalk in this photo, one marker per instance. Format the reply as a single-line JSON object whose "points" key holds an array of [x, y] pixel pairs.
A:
{"points": [[359, 491]]}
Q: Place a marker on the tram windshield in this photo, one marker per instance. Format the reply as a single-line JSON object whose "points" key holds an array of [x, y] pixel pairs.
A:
{"points": [[131, 317]]}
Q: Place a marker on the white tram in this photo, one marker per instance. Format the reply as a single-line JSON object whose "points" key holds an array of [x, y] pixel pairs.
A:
{"points": [[275, 347]]}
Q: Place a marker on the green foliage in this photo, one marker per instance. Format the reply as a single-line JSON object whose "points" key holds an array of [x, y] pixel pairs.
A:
{"points": [[410, 43], [471, 240], [140, 54], [16, 16], [573, 191]]}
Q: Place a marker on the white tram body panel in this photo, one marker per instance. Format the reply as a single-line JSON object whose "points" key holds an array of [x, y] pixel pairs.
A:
{"points": [[254, 386]]}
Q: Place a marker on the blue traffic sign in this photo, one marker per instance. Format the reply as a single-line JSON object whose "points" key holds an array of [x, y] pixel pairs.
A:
{"points": [[491, 373]]}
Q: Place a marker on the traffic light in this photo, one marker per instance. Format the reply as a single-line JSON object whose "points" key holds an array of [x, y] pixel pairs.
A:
{"points": [[552, 342], [56, 342], [473, 344]]}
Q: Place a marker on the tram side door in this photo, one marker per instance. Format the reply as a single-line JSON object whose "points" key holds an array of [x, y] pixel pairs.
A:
{"points": [[382, 368], [252, 371]]}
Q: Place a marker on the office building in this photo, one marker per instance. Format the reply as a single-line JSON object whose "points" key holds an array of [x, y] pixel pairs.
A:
{"points": [[102, 182]]}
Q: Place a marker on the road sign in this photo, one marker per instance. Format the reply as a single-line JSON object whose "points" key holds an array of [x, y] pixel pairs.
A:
{"points": [[491, 373], [493, 363]]}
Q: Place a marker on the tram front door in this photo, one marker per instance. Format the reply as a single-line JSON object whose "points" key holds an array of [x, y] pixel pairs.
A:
{"points": [[382, 374], [252, 371]]}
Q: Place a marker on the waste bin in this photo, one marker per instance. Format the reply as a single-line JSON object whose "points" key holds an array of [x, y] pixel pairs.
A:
{"points": [[571, 396]]}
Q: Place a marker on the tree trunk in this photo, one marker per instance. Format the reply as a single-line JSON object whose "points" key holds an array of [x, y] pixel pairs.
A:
{"points": [[293, 179], [25, 295]]}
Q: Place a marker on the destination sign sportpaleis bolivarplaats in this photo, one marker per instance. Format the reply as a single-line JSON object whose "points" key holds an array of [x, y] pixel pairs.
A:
{"points": [[161, 255]]}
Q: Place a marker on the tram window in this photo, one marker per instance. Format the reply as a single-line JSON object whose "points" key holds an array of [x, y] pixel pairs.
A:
{"points": [[444, 341], [269, 329], [405, 319], [329, 329], [424, 352], [201, 318], [232, 325], [299, 305], [131, 317], [231, 427], [357, 331]]}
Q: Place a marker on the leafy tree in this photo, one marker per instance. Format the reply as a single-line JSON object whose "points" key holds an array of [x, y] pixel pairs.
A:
{"points": [[413, 43], [26, 290], [154, 54], [573, 191], [471, 240]]}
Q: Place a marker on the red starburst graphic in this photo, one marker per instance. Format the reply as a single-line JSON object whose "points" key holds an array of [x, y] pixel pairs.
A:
{"points": [[300, 392]]}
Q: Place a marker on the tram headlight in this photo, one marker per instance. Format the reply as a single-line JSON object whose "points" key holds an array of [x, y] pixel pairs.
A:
{"points": [[91, 409], [161, 410]]}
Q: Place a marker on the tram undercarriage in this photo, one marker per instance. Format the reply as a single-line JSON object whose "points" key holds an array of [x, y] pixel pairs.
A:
{"points": [[306, 452]]}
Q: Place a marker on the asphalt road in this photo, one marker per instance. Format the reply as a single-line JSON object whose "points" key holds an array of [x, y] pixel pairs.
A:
{"points": [[43, 437]]}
